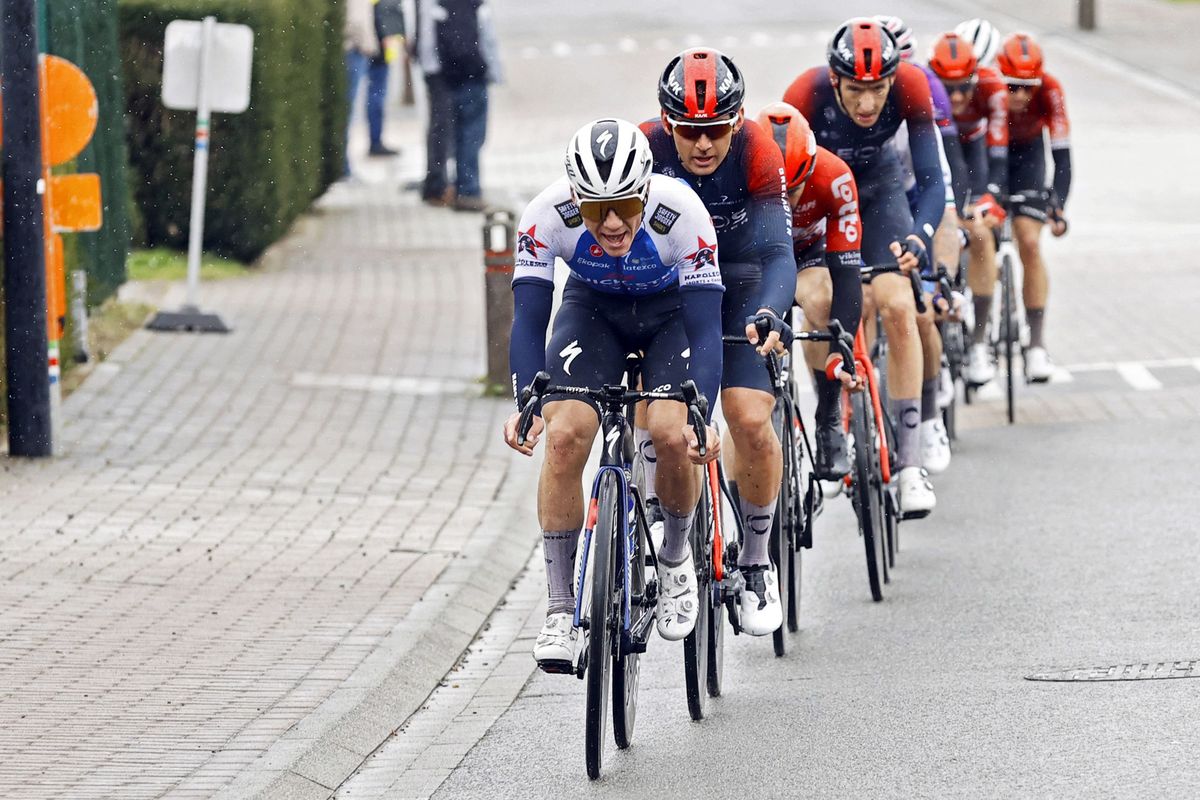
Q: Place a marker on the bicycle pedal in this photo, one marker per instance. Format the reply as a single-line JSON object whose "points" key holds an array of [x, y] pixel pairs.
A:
{"points": [[557, 667], [907, 515]]}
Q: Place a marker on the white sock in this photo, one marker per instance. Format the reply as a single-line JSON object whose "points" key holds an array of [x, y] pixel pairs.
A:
{"points": [[645, 446]]}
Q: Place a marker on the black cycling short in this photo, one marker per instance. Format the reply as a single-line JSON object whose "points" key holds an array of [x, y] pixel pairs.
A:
{"points": [[743, 367], [886, 214], [1027, 176], [595, 331], [812, 256]]}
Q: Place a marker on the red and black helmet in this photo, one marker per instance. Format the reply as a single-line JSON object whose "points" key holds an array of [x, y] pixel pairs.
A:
{"points": [[1020, 59], [863, 50], [952, 58], [790, 130], [701, 83]]}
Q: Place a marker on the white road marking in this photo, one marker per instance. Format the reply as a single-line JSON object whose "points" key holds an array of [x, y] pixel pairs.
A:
{"points": [[760, 39], [561, 49], [530, 52], [386, 384], [627, 45], [1138, 376], [596, 49], [663, 44]]}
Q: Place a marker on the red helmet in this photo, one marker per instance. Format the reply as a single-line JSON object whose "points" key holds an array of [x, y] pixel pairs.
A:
{"points": [[699, 84], [952, 58], [863, 50], [1020, 59], [790, 130]]}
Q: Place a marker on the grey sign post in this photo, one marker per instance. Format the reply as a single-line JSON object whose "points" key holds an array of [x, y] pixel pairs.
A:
{"points": [[206, 67]]}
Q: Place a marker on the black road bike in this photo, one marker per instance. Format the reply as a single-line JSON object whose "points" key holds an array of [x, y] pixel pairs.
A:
{"points": [[616, 600]]}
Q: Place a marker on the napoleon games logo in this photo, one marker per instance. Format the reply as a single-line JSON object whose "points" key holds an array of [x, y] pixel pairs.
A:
{"points": [[527, 241], [705, 255]]}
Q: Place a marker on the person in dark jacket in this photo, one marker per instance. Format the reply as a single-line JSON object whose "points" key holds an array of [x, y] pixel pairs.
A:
{"points": [[456, 49]]}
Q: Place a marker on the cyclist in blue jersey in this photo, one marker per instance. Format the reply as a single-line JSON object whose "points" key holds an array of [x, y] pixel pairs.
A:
{"points": [[633, 287], [855, 105], [703, 138]]}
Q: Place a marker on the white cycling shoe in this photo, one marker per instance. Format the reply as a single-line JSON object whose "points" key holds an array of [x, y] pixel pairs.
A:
{"points": [[678, 599], [556, 645], [916, 493], [1038, 366], [945, 392], [935, 446], [980, 369], [761, 611]]}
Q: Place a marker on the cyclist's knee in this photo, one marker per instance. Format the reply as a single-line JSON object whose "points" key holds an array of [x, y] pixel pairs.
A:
{"points": [[748, 415], [898, 312], [569, 434], [666, 430]]}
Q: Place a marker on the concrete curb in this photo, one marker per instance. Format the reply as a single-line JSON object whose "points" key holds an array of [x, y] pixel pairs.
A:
{"points": [[324, 749]]}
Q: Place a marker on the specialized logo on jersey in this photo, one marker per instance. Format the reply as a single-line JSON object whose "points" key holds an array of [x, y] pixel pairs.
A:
{"points": [[527, 241], [569, 213], [705, 255], [569, 354], [596, 251], [664, 219]]}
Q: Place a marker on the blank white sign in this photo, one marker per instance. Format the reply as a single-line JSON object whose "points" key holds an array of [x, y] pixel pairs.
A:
{"points": [[228, 66]]}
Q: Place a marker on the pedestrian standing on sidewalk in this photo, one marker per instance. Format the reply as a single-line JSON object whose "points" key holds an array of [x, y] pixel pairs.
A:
{"points": [[372, 40], [456, 49]]}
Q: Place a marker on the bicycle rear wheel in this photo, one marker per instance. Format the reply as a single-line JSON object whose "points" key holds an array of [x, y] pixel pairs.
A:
{"points": [[864, 496], [627, 666], [603, 618], [695, 644], [1006, 331]]}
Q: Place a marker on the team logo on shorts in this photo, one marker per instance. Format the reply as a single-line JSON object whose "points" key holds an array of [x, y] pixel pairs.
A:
{"points": [[569, 213], [527, 241], [664, 219], [705, 254], [596, 251]]}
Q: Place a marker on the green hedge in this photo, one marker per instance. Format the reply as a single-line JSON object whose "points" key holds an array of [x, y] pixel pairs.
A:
{"points": [[265, 165], [85, 33]]}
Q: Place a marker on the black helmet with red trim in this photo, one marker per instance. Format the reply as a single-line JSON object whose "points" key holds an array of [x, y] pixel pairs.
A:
{"points": [[701, 83], [863, 50]]}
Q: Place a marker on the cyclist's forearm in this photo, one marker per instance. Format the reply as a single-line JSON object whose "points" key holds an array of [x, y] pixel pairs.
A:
{"points": [[532, 301], [931, 191], [846, 306], [960, 178], [1062, 173], [773, 240], [702, 323]]}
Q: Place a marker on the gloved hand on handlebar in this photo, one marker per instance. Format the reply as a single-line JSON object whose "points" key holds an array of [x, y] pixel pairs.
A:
{"points": [[911, 254], [769, 332]]}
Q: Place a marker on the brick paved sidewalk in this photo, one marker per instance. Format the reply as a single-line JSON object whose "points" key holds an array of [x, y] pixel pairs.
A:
{"points": [[232, 572]]}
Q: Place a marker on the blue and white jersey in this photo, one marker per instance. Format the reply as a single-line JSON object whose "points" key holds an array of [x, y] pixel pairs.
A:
{"points": [[676, 245]]}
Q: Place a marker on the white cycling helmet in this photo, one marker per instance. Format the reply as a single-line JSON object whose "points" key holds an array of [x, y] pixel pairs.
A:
{"points": [[904, 35], [608, 159], [984, 39]]}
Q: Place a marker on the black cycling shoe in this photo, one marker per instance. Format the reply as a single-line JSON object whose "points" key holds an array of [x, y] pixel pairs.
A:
{"points": [[833, 463]]}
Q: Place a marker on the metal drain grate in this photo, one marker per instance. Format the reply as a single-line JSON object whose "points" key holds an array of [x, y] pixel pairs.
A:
{"points": [[1138, 671]]}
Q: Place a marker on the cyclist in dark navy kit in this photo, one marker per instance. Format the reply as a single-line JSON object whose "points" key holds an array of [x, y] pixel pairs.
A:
{"points": [[1037, 111], [633, 286], [855, 106], [703, 138]]}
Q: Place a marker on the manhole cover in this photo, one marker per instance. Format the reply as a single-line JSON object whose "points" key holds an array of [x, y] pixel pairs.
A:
{"points": [[1140, 671]]}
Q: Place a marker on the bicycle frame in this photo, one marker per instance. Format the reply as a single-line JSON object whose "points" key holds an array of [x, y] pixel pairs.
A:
{"points": [[867, 370]]}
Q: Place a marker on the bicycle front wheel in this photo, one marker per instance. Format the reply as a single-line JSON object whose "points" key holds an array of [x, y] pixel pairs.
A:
{"points": [[1007, 332], [696, 644], [864, 496], [627, 667], [604, 617]]}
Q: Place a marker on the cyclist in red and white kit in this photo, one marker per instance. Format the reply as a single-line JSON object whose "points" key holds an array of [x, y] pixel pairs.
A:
{"points": [[1037, 111], [826, 232], [979, 101]]}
